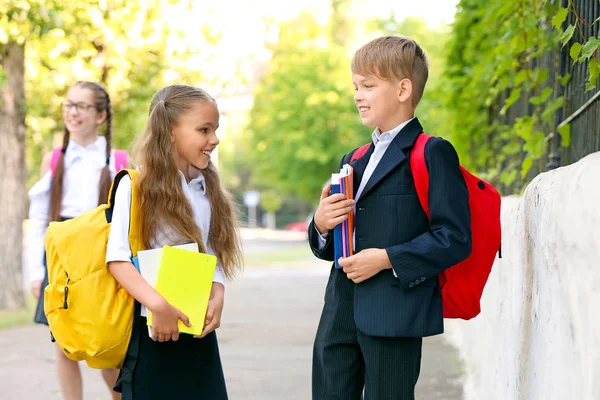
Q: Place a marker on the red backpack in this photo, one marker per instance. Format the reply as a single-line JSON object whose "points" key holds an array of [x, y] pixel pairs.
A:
{"points": [[462, 284], [121, 159]]}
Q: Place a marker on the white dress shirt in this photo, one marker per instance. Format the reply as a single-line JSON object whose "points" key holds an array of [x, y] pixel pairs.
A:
{"points": [[382, 142], [195, 191], [81, 188]]}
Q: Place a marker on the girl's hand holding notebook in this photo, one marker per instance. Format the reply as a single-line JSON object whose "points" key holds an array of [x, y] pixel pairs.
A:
{"points": [[214, 310], [165, 325]]}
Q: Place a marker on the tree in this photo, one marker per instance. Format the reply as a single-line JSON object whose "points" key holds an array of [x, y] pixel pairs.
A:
{"points": [[20, 21], [304, 118]]}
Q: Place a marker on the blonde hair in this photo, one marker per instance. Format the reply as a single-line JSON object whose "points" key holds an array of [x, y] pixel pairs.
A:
{"points": [[394, 57], [101, 104], [160, 193]]}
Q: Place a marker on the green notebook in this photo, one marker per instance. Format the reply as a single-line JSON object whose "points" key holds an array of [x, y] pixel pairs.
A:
{"points": [[185, 280]]}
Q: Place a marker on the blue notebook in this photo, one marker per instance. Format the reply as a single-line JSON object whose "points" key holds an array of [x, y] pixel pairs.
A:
{"points": [[337, 231]]}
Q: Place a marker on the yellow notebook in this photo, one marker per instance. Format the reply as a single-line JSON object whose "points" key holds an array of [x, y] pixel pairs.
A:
{"points": [[185, 281]]}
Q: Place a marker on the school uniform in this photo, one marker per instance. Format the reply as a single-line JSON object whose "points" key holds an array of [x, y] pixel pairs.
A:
{"points": [[189, 368], [81, 189], [370, 334]]}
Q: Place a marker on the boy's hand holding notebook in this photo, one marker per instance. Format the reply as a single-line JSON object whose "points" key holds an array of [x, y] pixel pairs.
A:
{"points": [[343, 234]]}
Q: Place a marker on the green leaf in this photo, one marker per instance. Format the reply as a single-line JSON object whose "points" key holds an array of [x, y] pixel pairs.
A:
{"points": [[565, 133], [594, 70], [553, 105], [508, 177], [565, 79], [589, 48], [542, 97], [541, 76], [512, 99], [526, 166], [536, 146], [560, 17], [590, 86], [575, 50], [567, 35], [520, 77]]}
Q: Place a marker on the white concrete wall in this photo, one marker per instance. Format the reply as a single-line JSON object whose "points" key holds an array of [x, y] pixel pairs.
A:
{"points": [[538, 336]]}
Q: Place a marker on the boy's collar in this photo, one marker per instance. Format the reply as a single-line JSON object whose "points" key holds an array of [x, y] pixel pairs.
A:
{"points": [[392, 132], [409, 134]]}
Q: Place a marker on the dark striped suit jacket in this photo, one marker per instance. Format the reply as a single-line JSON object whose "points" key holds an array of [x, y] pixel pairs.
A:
{"points": [[389, 216]]}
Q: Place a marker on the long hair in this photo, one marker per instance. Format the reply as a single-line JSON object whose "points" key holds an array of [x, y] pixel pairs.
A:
{"points": [[102, 103], [159, 185]]}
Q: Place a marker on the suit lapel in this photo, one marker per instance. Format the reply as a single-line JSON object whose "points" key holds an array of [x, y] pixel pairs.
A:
{"points": [[393, 157], [360, 165], [396, 154]]}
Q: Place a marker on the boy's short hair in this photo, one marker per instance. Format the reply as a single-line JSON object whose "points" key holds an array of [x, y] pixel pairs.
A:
{"points": [[397, 57]]}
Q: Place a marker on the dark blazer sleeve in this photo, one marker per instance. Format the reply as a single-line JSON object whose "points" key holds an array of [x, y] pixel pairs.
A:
{"points": [[326, 253], [448, 240]]}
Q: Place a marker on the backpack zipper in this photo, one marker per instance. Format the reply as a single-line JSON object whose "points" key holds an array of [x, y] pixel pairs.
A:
{"points": [[65, 305]]}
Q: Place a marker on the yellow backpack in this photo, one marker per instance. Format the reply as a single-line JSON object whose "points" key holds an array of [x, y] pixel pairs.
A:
{"points": [[90, 314]]}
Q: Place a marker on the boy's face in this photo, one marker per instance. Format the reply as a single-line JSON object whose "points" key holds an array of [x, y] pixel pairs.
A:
{"points": [[381, 103]]}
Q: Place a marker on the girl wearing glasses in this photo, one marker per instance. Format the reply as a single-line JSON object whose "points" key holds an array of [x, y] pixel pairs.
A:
{"points": [[74, 179]]}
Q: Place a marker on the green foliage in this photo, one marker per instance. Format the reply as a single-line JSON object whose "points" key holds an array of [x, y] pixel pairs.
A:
{"points": [[129, 46], [304, 118], [493, 72]]}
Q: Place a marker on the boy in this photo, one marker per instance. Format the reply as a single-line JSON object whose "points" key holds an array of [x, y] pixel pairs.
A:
{"points": [[387, 296]]}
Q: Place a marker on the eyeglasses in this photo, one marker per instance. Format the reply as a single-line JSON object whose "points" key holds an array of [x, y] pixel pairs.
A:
{"points": [[80, 107]]}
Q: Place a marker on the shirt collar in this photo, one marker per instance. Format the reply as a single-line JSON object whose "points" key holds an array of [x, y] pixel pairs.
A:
{"points": [[197, 178], [388, 136], [75, 150]]}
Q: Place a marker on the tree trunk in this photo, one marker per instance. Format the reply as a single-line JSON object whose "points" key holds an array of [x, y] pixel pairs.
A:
{"points": [[12, 175]]}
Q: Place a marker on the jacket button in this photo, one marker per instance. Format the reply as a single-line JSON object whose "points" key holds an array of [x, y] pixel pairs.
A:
{"points": [[411, 284], [422, 279]]}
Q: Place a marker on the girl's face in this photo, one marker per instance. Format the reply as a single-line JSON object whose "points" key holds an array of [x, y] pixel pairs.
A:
{"points": [[195, 135], [80, 114]]}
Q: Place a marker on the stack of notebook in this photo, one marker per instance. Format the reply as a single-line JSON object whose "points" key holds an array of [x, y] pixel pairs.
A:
{"points": [[184, 277], [343, 234]]}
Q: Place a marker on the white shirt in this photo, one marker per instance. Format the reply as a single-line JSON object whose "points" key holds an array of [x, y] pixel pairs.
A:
{"points": [[195, 191], [382, 142], [81, 188]]}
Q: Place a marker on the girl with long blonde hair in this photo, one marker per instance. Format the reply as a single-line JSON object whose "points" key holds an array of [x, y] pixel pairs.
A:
{"points": [[181, 200]]}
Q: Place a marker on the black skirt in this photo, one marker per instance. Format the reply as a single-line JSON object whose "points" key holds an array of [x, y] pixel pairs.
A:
{"points": [[186, 369], [39, 316]]}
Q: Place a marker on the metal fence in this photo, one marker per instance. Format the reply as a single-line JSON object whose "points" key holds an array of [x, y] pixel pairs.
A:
{"points": [[581, 110]]}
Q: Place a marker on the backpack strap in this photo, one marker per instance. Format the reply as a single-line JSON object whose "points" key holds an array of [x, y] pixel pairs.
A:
{"points": [[121, 159], [54, 160], [134, 217], [419, 171]]}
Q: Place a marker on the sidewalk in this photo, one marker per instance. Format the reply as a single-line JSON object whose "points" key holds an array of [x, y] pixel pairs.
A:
{"points": [[270, 319]]}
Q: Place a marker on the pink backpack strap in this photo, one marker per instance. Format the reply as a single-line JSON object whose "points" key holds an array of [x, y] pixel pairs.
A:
{"points": [[121, 159], [419, 171], [54, 160]]}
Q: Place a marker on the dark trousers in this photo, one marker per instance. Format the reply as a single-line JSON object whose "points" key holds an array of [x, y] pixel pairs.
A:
{"points": [[346, 361]]}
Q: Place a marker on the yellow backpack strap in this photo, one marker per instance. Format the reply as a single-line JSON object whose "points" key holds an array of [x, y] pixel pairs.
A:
{"points": [[135, 241], [134, 226]]}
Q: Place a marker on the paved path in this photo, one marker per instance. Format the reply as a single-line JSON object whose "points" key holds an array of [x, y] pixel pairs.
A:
{"points": [[269, 323]]}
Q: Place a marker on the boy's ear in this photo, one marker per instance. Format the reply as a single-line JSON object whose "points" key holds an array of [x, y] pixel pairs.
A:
{"points": [[404, 90]]}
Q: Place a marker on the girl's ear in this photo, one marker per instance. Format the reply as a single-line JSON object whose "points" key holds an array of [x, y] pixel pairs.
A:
{"points": [[101, 117], [404, 90]]}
